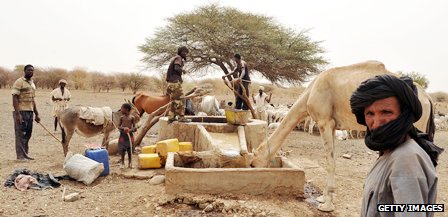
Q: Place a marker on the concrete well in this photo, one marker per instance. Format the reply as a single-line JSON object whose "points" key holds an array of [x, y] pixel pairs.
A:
{"points": [[213, 134]]}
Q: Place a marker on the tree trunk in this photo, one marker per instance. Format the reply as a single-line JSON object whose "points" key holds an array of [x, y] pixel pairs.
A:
{"points": [[152, 119], [224, 69]]}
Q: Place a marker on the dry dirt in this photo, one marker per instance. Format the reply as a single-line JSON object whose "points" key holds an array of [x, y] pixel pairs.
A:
{"points": [[116, 195]]}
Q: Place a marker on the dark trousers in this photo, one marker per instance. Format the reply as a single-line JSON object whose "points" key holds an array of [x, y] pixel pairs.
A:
{"points": [[23, 133], [240, 103]]}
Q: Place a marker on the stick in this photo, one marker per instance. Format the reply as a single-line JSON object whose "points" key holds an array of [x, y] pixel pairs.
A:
{"points": [[50, 132], [244, 97], [130, 147], [63, 193]]}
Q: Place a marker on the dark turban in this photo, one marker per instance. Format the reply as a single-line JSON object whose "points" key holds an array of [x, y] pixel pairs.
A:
{"points": [[392, 134]]}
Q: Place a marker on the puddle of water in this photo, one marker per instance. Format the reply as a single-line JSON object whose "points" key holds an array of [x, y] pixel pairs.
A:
{"points": [[226, 141]]}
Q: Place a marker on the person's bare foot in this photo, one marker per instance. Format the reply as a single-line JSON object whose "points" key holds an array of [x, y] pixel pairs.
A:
{"points": [[121, 166]]}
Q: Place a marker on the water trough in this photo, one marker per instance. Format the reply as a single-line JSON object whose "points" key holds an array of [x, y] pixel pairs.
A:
{"points": [[212, 136]]}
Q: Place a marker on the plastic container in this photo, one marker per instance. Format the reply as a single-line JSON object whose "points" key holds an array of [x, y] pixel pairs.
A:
{"points": [[149, 161], [185, 146], [237, 117], [150, 149], [82, 168], [168, 145], [99, 155]]}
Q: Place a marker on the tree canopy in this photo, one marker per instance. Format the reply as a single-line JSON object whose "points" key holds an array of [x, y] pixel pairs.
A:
{"points": [[213, 34]]}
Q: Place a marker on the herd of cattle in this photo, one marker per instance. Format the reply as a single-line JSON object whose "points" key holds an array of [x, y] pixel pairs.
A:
{"points": [[211, 106]]}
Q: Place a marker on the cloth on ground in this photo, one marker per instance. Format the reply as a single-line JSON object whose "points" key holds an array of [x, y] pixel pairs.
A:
{"points": [[96, 116], [24, 178], [23, 182]]}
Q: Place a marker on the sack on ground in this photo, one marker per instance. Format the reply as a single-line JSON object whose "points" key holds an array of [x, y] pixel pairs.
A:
{"points": [[82, 168]]}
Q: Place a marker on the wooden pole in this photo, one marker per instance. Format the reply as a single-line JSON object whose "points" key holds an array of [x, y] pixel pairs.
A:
{"points": [[50, 132], [244, 97]]}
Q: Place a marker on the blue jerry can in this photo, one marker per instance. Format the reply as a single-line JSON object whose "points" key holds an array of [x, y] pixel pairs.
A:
{"points": [[99, 155]]}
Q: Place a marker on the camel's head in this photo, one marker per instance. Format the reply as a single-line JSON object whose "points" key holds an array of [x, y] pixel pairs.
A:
{"points": [[260, 156]]}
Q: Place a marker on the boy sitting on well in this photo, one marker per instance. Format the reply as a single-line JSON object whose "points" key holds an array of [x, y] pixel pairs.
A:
{"points": [[127, 129]]}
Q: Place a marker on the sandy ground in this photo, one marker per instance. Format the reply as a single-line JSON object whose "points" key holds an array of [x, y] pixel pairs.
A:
{"points": [[116, 195]]}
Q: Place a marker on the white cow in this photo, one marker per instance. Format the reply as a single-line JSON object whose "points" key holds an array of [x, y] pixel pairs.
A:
{"points": [[441, 122], [310, 123], [208, 105], [341, 135], [276, 114], [273, 126]]}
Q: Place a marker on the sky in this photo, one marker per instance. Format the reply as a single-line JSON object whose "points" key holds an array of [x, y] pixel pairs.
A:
{"points": [[104, 35]]}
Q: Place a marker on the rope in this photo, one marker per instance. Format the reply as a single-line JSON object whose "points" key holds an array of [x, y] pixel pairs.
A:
{"points": [[130, 148], [49, 132]]}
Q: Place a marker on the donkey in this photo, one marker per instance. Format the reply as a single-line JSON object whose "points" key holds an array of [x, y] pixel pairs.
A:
{"points": [[70, 121]]}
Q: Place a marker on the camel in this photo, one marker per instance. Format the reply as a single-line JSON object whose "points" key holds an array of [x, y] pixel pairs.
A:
{"points": [[70, 122], [326, 100]]}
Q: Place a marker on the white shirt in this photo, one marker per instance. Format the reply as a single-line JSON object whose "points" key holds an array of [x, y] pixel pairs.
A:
{"points": [[260, 101], [60, 105]]}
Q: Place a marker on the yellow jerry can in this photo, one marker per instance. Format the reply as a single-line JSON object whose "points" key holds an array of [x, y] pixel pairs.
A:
{"points": [[150, 149], [165, 146], [185, 146], [147, 161]]}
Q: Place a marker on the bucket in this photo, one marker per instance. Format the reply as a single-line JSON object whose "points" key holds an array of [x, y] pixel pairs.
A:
{"points": [[99, 155], [237, 117]]}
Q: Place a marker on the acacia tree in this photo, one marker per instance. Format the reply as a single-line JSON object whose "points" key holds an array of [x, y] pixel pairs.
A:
{"points": [[214, 34], [417, 77], [122, 80], [53, 76], [137, 81], [79, 77], [108, 82], [96, 80], [5, 77]]}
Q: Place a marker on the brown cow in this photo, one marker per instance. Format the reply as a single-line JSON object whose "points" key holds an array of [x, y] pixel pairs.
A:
{"points": [[146, 103]]}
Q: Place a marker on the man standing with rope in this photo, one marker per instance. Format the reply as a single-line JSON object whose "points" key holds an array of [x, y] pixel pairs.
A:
{"points": [[242, 80], [23, 93]]}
